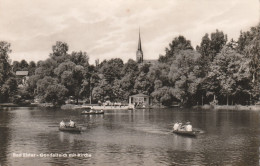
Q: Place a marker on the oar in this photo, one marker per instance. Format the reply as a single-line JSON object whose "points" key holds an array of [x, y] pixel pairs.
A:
{"points": [[59, 126], [54, 126]]}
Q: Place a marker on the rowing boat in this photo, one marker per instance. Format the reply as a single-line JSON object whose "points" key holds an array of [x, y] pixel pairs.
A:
{"points": [[70, 129], [185, 133], [91, 112]]}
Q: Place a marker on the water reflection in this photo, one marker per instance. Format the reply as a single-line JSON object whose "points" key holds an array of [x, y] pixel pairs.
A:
{"points": [[131, 137], [61, 136], [5, 134]]}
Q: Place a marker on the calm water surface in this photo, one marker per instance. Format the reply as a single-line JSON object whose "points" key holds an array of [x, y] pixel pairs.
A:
{"points": [[139, 137]]}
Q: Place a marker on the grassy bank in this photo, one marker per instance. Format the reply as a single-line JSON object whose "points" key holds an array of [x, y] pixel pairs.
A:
{"points": [[18, 105], [230, 107]]}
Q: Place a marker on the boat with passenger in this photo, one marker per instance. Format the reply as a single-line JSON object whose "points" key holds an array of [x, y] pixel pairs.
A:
{"points": [[91, 112], [185, 130], [185, 133], [70, 127]]}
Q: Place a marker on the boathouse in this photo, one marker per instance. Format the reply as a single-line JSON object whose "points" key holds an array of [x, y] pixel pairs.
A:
{"points": [[139, 99]]}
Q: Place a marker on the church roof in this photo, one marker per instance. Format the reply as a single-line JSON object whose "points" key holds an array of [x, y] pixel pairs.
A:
{"points": [[151, 61]]}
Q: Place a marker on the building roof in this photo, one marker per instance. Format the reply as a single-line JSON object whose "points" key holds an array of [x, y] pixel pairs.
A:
{"points": [[139, 95], [151, 61], [21, 73]]}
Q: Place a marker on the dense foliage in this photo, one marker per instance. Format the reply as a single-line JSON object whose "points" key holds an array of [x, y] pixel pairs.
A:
{"points": [[226, 71]]}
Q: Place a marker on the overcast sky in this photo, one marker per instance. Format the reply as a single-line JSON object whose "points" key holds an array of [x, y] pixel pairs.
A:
{"points": [[109, 28]]}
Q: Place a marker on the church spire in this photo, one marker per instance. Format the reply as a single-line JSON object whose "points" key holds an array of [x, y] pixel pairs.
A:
{"points": [[139, 52], [139, 42]]}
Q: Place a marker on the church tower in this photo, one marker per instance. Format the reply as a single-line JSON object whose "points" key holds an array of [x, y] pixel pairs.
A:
{"points": [[139, 52]]}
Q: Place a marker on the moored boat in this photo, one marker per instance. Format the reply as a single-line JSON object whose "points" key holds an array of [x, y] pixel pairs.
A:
{"points": [[185, 133], [91, 112], [70, 129]]}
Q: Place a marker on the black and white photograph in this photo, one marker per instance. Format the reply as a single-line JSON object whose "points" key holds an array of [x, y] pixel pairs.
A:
{"points": [[130, 82]]}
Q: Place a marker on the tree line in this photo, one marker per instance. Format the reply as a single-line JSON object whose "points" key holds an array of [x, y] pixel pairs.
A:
{"points": [[218, 68]]}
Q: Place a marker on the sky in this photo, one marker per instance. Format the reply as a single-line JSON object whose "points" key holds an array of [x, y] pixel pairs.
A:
{"points": [[108, 29]]}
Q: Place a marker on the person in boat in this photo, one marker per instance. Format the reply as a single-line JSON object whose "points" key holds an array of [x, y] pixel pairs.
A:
{"points": [[62, 124], [188, 126], [181, 127], [72, 124], [176, 126]]}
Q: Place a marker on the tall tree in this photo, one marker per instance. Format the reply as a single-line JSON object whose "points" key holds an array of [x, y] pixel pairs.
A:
{"points": [[210, 47], [179, 43], [183, 76], [8, 84], [79, 58], [229, 77], [252, 51], [31, 68], [5, 67], [24, 65], [59, 52], [112, 69]]}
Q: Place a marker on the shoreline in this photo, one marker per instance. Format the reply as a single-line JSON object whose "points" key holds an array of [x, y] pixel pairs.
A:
{"points": [[230, 107], [96, 107], [18, 105]]}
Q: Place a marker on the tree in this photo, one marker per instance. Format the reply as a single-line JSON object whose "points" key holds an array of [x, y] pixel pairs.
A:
{"points": [[8, 84], [59, 49], [16, 66], [252, 51], [131, 67], [244, 40], [144, 68], [31, 68], [59, 52], [205, 45], [24, 65], [103, 91], [56, 94], [229, 76], [78, 76], [5, 67], [160, 72], [63, 67], [79, 58], [143, 84], [43, 84], [183, 76], [218, 41], [112, 69], [179, 43], [8, 89], [31, 87], [89, 83], [123, 88], [46, 68], [210, 47], [71, 76]]}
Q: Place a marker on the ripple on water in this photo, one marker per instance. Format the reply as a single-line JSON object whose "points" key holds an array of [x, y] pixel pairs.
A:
{"points": [[131, 137]]}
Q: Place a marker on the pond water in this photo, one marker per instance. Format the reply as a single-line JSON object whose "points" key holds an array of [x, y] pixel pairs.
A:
{"points": [[133, 137]]}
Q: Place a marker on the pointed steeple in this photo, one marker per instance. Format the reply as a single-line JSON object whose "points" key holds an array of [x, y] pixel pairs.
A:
{"points": [[139, 42], [139, 52]]}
